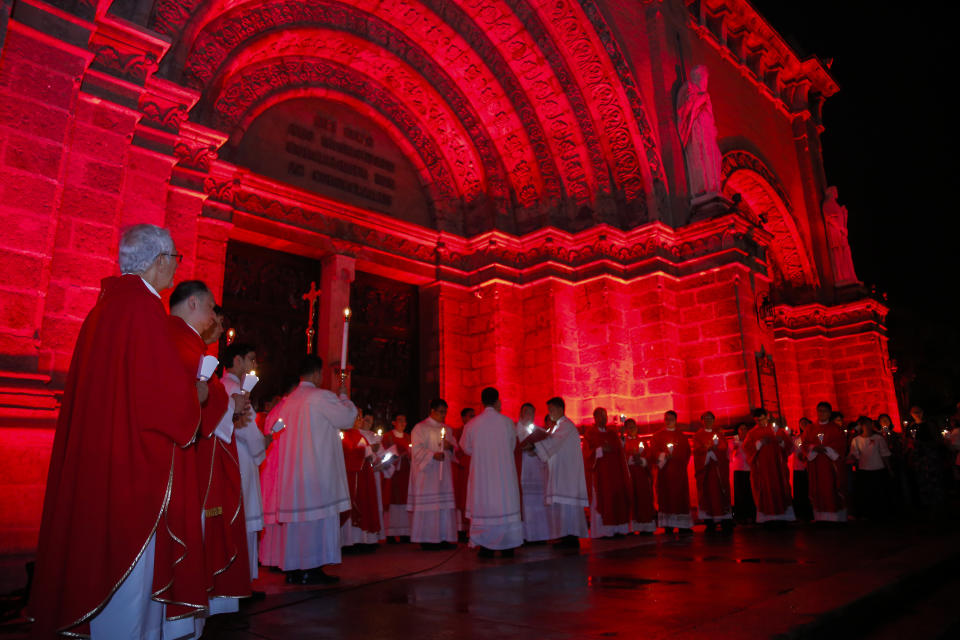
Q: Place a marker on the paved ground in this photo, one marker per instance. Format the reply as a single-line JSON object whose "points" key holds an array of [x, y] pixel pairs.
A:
{"points": [[856, 580]]}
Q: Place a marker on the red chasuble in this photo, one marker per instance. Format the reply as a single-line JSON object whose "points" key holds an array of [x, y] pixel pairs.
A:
{"points": [[643, 509], [713, 477], [127, 407], [461, 473], [611, 480], [395, 487], [673, 484], [769, 472], [180, 578], [826, 477], [365, 511]]}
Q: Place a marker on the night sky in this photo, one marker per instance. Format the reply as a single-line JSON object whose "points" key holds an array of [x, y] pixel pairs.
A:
{"points": [[891, 150]]}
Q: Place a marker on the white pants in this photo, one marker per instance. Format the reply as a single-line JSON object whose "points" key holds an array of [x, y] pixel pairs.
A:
{"points": [[130, 614]]}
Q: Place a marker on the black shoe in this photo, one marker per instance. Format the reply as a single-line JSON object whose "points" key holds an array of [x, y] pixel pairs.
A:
{"points": [[567, 542], [392, 540], [485, 553], [667, 530], [685, 532], [445, 546], [317, 576], [256, 596], [506, 553], [711, 526], [726, 525], [294, 577], [462, 536], [405, 539]]}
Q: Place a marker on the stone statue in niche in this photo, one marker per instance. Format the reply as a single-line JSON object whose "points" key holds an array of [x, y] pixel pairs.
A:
{"points": [[835, 216], [698, 133]]}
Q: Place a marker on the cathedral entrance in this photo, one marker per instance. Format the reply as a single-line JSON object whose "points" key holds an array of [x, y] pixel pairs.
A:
{"points": [[266, 304]]}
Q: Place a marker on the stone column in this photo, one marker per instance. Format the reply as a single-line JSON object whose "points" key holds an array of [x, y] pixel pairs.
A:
{"points": [[336, 273]]}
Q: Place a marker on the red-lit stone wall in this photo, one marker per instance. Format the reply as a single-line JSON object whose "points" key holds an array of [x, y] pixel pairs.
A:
{"points": [[635, 315]]}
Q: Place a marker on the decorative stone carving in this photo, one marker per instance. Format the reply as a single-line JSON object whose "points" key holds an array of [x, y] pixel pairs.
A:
{"points": [[698, 133], [835, 217]]}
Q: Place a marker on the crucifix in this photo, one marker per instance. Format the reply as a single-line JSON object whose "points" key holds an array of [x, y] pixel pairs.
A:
{"points": [[312, 295]]}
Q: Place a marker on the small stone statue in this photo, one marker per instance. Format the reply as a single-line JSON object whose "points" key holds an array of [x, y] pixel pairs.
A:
{"points": [[698, 133], [835, 216]]}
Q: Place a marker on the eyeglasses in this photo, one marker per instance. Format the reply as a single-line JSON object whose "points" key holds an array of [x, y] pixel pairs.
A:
{"points": [[178, 256]]}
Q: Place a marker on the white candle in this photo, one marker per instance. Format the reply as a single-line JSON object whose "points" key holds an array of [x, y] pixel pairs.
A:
{"points": [[670, 447], [249, 382], [341, 435], [278, 426], [343, 345], [641, 445], [716, 440]]}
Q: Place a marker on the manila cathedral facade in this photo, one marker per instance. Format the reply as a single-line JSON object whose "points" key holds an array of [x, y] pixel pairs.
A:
{"points": [[621, 203]]}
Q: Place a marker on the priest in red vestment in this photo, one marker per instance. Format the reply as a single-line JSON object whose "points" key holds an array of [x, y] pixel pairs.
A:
{"points": [[825, 444], [396, 518], [128, 405], [712, 471], [610, 486], [461, 473], [768, 449], [644, 514], [191, 312], [671, 450], [361, 525]]}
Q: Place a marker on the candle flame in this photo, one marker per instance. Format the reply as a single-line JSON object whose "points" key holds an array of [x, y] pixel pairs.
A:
{"points": [[346, 313], [341, 435]]}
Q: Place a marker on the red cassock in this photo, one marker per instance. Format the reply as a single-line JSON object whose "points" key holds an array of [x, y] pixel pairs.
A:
{"points": [[713, 477], [769, 472], [827, 477], [643, 508], [611, 480], [461, 473], [128, 406], [365, 512], [395, 487], [225, 533], [673, 484]]}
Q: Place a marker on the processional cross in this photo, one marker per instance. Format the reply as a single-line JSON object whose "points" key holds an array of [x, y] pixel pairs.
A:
{"points": [[312, 295]]}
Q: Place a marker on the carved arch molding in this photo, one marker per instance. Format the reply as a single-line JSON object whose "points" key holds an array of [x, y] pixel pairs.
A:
{"points": [[765, 199], [544, 110]]}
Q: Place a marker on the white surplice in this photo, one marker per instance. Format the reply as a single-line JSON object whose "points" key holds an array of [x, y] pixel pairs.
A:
{"points": [[251, 451], [493, 493], [312, 490], [533, 478], [430, 498], [566, 486]]}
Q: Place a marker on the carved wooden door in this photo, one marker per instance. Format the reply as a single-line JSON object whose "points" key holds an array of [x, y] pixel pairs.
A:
{"points": [[263, 302], [384, 347]]}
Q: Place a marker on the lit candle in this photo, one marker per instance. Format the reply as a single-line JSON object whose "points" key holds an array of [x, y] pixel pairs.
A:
{"points": [[716, 439], [787, 430], [820, 436], [278, 426], [343, 345], [250, 380], [380, 432], [341, 435], [670, 447], [641, 445], [945, 433]]}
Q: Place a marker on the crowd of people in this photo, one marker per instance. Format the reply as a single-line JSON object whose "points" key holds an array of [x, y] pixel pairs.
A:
{"points": [[167, 491]]}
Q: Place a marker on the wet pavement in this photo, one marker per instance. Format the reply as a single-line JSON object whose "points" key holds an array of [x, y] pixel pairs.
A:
{"points": [[854, 580], [797, 581]]}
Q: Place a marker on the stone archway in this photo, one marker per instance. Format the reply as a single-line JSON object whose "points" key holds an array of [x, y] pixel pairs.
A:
{"points": [[763, 197]]}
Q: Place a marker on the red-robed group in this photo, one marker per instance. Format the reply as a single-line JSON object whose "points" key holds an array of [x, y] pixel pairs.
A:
{"points": [[166, 490]]}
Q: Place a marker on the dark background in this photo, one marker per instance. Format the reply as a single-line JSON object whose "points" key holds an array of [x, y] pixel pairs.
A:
{"points": [[890, 147]]}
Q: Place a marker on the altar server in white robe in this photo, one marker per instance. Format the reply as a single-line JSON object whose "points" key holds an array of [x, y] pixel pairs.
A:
{"points": [[566, 487], [312, 489], [533, 476], [239, 360], [430, 498], [493, 493]]}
